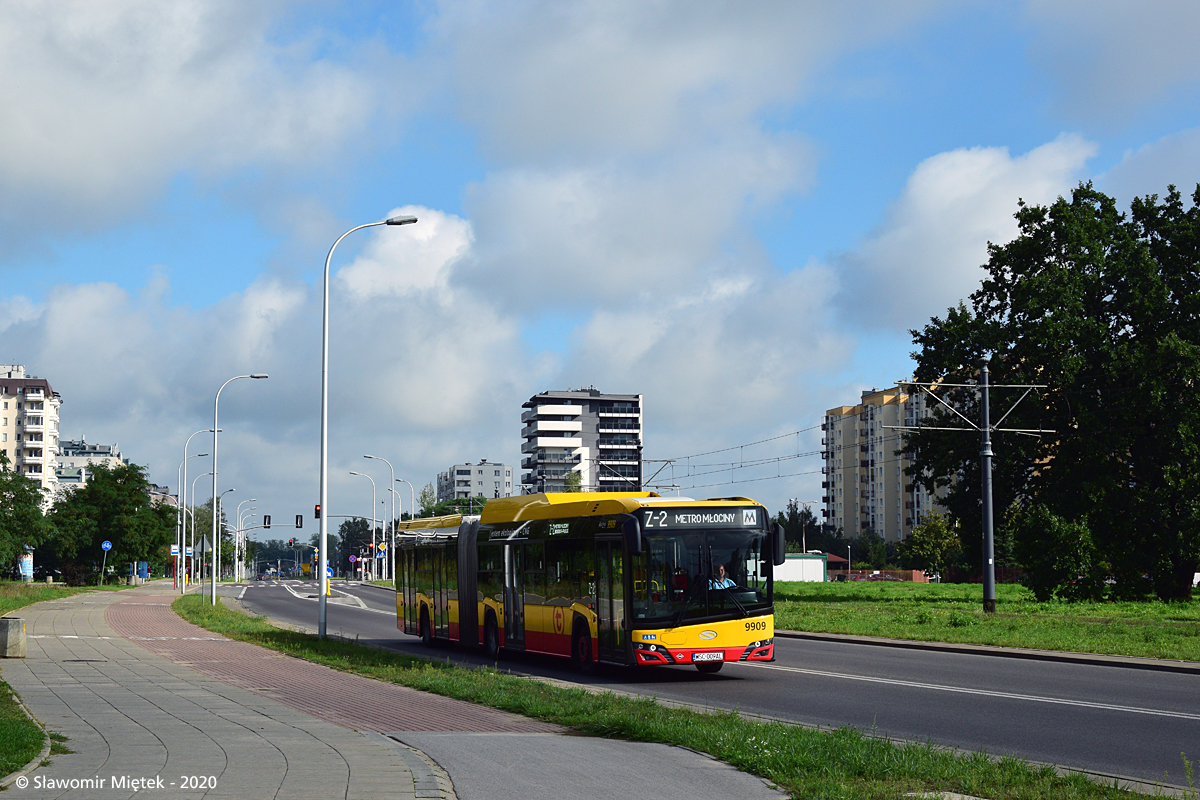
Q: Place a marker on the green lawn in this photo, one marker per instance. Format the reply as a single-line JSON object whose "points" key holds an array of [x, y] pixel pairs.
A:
{"points": [[953, 613], [834, 764]]}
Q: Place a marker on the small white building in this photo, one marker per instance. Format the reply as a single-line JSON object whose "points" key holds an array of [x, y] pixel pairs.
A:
{"points": [[808, 567]]}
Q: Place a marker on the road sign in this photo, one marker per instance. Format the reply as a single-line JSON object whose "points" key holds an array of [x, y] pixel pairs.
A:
{"points": [[329, 572], [174, 549], [353, 559], [187, 551], [106, 546], [380, 554], [383, 545]]}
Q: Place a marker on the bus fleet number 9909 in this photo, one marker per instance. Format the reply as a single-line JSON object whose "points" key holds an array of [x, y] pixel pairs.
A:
{"points": [[757, 625]]}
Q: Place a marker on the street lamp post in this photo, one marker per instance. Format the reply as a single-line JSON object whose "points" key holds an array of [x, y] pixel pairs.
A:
{"points": [[237, 539], [181, 503], [412, 514], [215, 429], [216, 543], [803, 529], [322, 559], [393, 523], [195, 571], [372, 480]]}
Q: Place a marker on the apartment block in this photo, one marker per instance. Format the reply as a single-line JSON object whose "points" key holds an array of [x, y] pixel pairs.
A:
{"points": [[29, 425], [864, 485], [471, 480], [585, 431], [73, 453]]}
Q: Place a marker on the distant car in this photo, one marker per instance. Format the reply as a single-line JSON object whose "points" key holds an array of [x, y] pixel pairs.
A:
{"points": [[262, 576]]}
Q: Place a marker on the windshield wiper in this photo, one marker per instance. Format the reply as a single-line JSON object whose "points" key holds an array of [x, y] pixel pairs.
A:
{"points": [[678, 618], [740, 607]]}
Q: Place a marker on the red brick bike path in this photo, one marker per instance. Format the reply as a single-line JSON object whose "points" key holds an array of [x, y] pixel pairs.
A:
{"points": [[343, 699]]}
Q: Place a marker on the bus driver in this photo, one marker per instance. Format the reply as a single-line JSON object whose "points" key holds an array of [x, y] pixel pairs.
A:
{"points": [[720, 580]]}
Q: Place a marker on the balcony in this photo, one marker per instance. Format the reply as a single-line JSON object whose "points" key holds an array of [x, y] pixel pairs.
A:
{"points": [[618, 445], [620, 427], [617, 411], [551, 426], [550, 443], [34, 427]]}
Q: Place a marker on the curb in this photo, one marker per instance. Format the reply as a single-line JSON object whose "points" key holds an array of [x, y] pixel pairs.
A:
{"points": [[1094, 659]]}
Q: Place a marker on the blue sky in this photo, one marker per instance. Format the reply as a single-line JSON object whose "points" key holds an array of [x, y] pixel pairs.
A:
{"points": [[736, 210]]}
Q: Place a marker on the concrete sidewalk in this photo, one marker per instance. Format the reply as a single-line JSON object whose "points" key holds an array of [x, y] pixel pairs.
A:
{"points": [[151, 703]]}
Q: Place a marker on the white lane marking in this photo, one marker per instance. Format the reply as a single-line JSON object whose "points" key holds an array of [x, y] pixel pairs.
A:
{"points": [[242, 593], [358, 601], [1154, 712]]}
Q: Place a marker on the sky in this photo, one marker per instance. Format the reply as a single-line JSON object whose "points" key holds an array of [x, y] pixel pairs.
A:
{"points": [[737, 210]]}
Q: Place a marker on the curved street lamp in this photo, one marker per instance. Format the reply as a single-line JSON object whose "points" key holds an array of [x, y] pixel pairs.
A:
{"points": [[195, 571], [372, 480], [412, 514], [393, 522], [215, 429], [237, 539], [181, 508], [323, 558]]}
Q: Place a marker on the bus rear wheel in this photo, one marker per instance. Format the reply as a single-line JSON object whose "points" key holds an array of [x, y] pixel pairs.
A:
{"points": [[426, 632], [491, 638], [709, 667], [581, 650]]}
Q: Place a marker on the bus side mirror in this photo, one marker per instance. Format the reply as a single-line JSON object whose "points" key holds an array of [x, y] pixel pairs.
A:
{"points": [[633, 535], [780, 543]]}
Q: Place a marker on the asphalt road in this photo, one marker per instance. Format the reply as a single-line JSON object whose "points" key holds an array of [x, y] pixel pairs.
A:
{"points": [[1109, 719]]}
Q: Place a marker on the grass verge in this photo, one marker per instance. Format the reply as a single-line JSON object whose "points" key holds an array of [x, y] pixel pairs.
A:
{"points": [[20, 737], [953, 613], [834, 764]]}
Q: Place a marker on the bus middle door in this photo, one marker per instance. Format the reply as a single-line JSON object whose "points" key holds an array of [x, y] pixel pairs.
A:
{"points": [[610, 599], [514, 596]]}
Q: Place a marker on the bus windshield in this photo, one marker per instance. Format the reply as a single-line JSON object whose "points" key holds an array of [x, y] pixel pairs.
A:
{"points": [[701, 575]]}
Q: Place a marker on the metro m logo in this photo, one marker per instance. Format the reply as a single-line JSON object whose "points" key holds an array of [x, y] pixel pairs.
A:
{"points": [[749, 517]]}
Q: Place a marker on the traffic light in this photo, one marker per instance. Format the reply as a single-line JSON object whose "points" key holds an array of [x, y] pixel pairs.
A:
{"points": [[299, 520], [266, 520], [291, 542], [317, 511]]}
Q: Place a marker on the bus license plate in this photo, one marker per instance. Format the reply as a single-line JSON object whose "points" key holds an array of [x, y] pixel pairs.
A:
{"points": [[708, 656]]}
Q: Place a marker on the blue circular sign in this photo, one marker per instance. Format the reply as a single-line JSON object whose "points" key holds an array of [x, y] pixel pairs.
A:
{"points": [[329, 572], [106, 545]]}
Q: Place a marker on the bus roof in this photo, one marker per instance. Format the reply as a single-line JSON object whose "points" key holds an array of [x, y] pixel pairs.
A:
{"points": [[448, 521], [583, 504]]}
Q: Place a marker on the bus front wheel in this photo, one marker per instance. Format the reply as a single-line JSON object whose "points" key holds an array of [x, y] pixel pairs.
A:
{"points": [[491, 638], [581, 650], [709, 667]]}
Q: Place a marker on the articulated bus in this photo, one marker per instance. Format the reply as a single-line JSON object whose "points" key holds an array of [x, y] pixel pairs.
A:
{"points": [[626, 578]]}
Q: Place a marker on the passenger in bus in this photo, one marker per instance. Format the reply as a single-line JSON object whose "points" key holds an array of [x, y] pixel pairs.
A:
{"points": [[720, 580]]}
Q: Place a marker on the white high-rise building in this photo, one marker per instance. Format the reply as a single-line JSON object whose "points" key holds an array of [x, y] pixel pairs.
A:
{"points": [[29, 425], [865, 485], [596, 435]]}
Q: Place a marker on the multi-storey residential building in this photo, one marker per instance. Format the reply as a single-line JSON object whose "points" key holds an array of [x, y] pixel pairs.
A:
{"points": [[29, 425], [864, 483], [73, 453], [596, 435], [472, 480]]}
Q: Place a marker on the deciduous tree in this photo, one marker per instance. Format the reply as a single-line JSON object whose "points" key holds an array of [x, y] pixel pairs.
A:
{"points": [[1105, 310]]}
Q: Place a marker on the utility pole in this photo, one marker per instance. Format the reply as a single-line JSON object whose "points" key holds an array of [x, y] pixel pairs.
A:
{"points": [[985, 429]]}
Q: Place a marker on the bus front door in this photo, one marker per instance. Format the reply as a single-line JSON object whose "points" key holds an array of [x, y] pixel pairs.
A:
{"points": [[610, 599]]}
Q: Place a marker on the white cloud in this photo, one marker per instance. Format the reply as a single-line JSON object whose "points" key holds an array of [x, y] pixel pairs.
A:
{"points": [[927, 254], [1172, 160], [602, 233], [408, 259], [545, 79], [109, 101], [1111, 58]]}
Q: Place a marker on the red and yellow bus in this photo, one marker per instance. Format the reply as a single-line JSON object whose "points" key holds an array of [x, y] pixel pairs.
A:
{"points": [[619, 578]]}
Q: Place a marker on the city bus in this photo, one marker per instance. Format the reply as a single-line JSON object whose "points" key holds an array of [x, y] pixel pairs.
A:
{"points": [[628, 578]]}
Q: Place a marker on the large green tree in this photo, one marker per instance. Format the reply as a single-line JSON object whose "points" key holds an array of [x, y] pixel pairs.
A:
{"points": [[21, 522], [1104, 309], [114, 505]]}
